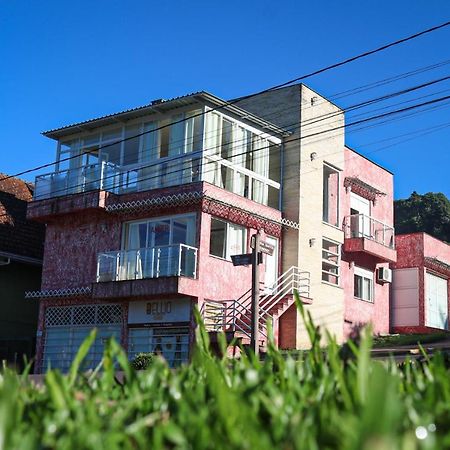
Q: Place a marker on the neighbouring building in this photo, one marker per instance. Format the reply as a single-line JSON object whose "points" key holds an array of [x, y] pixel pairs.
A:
{"points": [[421, 284], [147, 206], [21, 250]]}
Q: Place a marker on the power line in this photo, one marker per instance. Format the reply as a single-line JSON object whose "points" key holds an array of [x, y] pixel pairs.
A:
{"points": [[317, 119], [289, 82], [358, 122]]}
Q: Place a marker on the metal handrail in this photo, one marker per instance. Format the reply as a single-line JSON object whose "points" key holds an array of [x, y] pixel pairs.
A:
{"points": [[361, 225], [235, 315]]}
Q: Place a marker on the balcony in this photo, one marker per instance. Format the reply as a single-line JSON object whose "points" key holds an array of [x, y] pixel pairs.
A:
{"points": [[74, 181], [368, 235], [154, 262], [146, 272], [116, 179]]}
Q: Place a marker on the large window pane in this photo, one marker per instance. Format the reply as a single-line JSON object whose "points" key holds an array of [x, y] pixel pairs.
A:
{"points": [[131, 145], [226, 239], [274, 163], [227, 139], [194, 131], [217, 244]]}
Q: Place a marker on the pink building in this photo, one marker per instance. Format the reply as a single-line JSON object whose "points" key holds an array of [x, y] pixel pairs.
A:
{"points": [[369, 243], [421, 284], [147, 206]]}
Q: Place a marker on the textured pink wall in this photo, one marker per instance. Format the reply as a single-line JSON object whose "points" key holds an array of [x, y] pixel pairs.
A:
{"points": [[359, 167], [359, 312], [74, 240]]}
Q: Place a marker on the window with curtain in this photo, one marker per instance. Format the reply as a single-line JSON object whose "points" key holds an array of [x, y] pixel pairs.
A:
{"points": [[363, 284], [151, 248], [227, 239], [148, 176]]}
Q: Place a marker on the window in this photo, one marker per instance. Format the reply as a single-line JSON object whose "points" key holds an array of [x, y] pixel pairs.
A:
{"points": [[226, 239], [241, 161], [330, 195], [159, 232], [330, 261], [363, 284]]}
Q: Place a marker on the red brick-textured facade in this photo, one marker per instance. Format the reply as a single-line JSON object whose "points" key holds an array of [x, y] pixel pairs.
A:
{"points": [[424, 252], [79, 227]]}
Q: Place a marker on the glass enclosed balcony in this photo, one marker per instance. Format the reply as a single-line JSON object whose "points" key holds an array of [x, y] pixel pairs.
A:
{"points": [[181, 149], [153, 262]]}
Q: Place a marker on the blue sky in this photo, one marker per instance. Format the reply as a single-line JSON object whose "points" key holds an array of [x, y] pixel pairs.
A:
{"points": [[64, 62]]}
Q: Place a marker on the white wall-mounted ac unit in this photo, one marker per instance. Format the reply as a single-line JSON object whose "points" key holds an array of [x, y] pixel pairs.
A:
{"points": [[384, 275]]}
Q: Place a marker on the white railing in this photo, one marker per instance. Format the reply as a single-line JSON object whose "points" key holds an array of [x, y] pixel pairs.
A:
{"points": [[360, 225], [164, 172], [72, 181], [235, 315], [152, 262], [169, 171], [292, 280]]}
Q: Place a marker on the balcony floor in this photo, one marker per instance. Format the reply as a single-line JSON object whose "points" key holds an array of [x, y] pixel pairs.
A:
{"points": [[145, 288], [373, 248]]}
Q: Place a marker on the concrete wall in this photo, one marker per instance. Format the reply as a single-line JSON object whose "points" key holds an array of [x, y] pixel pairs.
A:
{"points": [[319, 144], [311, 119]]}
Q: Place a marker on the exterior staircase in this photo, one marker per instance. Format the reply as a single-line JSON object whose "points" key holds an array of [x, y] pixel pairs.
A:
{"points": [[233, 317]]}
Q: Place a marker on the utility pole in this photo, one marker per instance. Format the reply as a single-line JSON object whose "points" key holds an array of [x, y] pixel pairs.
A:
{"points": [[254, 342], [255, 259]]}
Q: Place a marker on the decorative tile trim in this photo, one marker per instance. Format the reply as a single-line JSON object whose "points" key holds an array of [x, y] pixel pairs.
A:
{"points": [[52, 293], [183, 199], [189, 198]]}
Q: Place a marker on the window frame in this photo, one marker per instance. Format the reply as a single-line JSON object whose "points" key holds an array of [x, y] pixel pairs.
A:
{"points": [[327, 261], [126, 227], [364, 274], [228, 253], [325, 200], [213, 161]]}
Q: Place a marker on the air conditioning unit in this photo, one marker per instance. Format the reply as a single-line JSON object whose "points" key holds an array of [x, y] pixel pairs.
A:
{"points": [[384, 275]]}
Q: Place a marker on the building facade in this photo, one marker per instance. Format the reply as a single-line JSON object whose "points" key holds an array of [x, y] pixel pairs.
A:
{"points": [[421, 284], [147, 206], [21, 250]]}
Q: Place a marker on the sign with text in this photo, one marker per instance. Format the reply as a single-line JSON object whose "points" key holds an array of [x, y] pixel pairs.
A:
{"points": [[266, 248], [242, 260], [159, 311]]}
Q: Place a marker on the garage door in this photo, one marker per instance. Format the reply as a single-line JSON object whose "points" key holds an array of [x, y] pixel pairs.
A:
{"points": [[436, 309], [66, 328]]}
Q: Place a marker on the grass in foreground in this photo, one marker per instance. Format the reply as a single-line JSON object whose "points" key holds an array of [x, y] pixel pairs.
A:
{"points": [[326, 401]]}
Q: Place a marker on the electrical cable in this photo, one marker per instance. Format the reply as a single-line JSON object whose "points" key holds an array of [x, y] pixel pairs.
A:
{"points": [[289, 82]]}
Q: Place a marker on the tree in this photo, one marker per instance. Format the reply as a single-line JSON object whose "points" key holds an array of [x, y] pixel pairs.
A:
{"points": [[429, 213]]}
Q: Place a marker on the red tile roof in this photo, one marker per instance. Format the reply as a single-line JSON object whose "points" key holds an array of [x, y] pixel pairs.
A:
{"points": [[18, 235]]}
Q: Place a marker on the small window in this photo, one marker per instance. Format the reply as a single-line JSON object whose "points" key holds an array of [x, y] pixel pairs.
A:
{"points": [[226, 239], [363, 284], [330, 261], [330, 195]]}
